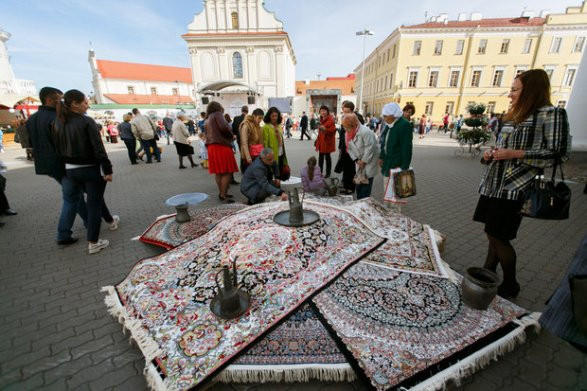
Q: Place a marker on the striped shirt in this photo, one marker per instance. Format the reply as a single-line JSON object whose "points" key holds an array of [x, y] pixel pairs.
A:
{"points": [[544, 136]]}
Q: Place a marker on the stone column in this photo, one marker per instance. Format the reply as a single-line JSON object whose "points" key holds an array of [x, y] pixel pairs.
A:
{"points": [[222, 65], [251, 68], [279, 71]]}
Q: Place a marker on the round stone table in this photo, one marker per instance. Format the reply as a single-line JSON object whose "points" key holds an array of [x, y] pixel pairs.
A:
{"points": [[181, 202]]}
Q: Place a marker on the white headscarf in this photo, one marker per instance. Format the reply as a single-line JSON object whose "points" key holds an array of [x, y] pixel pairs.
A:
{"points": [[392, 109]]}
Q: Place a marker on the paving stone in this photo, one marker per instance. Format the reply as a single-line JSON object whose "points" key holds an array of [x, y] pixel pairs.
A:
{"points": [[91, 373], [72, 342], [91, 346], [31, 383], [52, 290], [563, 378], [112, 379], [46, 363], [66, 370]]}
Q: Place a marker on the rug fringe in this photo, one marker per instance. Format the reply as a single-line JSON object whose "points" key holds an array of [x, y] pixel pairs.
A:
{"points": [[146, 344], [481, 358], [234, 374], [154, 381]]}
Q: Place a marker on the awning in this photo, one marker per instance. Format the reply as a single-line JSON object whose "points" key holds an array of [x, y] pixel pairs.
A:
{"points": [[9, 100]]}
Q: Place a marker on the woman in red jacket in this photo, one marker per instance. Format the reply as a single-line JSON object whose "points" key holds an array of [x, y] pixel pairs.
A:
{"points": [[325, 143]]}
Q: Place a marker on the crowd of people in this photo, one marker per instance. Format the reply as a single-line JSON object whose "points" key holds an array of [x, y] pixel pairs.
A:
{"points": [[67, 146]]}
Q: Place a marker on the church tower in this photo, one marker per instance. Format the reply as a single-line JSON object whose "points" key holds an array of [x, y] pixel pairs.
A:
{"points": [[6, 73], [240, 54], [9, 85]]}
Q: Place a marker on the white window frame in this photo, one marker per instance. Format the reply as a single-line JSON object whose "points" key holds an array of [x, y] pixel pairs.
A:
{"points": [[458, 70], [497, 69], [473, 75], [450, 104], [579, 44], [130, 90], [566, 81], [555, 45], [460, 47], [438, 44], [505, 46], [484, 51], [417, 72], [175, 91], [527, 48], [417, 43], [489, 104], [390, 80], [427, 105], [437, 70], [153, 90]]}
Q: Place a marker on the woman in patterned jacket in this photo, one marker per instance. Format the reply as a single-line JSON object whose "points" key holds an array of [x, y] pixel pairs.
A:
{"points": [[534, 136]]}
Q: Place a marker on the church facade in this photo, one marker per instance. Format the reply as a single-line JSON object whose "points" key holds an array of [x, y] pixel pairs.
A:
{"points": [[239, 54]]}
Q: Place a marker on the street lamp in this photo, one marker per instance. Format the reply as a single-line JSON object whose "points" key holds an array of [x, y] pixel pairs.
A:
{"points": [[363, 33]]}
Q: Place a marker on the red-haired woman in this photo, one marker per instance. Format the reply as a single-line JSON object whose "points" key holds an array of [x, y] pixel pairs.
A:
{"points": [[534, 136]]}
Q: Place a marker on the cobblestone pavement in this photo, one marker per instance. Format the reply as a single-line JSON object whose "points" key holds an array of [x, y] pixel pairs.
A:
{"points": [[56, 333]]}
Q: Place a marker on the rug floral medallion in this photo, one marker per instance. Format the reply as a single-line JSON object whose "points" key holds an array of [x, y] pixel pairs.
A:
{"points": [[409, 246], [281, 267], [397, 324], [167, 233]]}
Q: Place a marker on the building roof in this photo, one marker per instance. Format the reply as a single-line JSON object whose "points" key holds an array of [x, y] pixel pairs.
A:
{"points": [[148, 99], [134, 71], [490, 22], [344, 84]]}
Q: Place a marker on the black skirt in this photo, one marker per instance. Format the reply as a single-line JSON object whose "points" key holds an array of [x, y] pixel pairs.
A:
{"points": [[502, 217], [183, 149]]}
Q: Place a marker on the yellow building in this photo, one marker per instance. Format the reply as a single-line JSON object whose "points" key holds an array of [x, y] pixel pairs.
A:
{"points": [[441, 66]]}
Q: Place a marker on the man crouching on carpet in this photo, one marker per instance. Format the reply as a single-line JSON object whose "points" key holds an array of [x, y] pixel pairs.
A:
{"points": [[258, 183]]}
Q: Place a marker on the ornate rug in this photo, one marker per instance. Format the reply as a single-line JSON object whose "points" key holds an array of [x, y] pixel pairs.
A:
{"points": [[410, 246], [399, 325], [298, 350], [167, 233], [164, 301]]}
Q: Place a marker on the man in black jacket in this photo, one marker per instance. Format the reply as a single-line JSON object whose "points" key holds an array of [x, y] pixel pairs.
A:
{"points": [[236, 124], [47, 162], [304, 126], [167, 123]]}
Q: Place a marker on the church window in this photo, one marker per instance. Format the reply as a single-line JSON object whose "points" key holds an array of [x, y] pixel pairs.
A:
{"points": [[234, 17], [237, 65]]}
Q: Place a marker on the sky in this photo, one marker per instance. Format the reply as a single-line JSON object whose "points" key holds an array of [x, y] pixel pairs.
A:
{"points": [[50, 39]]}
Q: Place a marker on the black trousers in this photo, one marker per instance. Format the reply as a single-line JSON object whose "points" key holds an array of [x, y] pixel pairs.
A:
{"points": [[328, 163], [3, 201], [348, 171], [305, 132], [131, 146]]}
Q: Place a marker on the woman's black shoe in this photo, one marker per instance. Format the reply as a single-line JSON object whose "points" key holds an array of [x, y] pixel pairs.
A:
{"points": [[508, 291], [180, 167]]}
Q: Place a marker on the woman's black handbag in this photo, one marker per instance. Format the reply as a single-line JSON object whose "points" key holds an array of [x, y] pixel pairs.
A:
{"points": [[548, 200]]}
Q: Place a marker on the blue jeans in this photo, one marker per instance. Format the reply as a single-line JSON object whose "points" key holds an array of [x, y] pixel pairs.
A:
{"points": [[68, 212], [75, 183], [151, 143], [364, 191]]}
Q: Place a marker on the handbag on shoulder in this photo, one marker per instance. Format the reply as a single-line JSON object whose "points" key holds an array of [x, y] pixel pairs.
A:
{"points": [[547, 199]]}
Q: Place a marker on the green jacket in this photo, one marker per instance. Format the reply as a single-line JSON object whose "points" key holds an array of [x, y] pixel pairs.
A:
{"points": [[270, 140], [397, 147]]}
